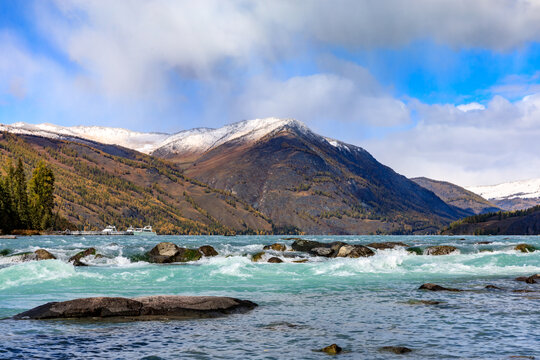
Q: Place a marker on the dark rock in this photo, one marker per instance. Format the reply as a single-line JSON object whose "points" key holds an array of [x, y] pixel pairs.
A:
{"points": [[333, 349], [526, 248], [396, 349], [81, 254], [301, 261], [42, 254], [257, 257], [208, 251], [275, 260], [276, 247], [423, 302], [149, 307], [322, 251], [440, 250], [387, 245], [493, 287], [77, 262], [305, 245], [167, 252], [483, 242], [529, 279], [354, 251], [185, 255], [435, 287]]}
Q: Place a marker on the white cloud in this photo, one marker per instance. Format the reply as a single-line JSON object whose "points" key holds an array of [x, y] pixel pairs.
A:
{"points": [[471, 107]]}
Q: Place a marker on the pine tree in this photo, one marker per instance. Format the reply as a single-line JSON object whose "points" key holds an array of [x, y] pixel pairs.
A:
{"points": [[20, 196], [42, 197]]}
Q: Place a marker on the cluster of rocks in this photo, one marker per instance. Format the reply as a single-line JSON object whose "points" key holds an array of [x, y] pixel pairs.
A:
{"points": [[168, 252], [532, 279], [335, 349], [140, 308]]}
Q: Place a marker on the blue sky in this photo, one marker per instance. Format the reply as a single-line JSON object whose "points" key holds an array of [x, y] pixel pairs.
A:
{"points": [[445, 89]]}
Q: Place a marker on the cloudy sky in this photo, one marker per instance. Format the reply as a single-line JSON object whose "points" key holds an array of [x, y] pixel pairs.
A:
{"points": [[448, 89]]}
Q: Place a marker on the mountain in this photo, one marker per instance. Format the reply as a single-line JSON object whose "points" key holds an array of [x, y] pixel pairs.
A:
{"points": [[517, 195], [289, 178], [519, 222], [301, 179], [457, 196], [99, 184]]}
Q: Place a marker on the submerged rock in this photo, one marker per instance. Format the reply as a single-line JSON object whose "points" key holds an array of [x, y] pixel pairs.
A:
{"points": [[258, 256], [333, 349], [354, 251], [526, 248], [322, 251], [529, 279], [275, 260], [208, 251], [435, 287], [440, 250], [301, 261], [492, 287], [387, 245], [149, 307], [423, 302], [275, 247], [415, 250], [396, 349]]}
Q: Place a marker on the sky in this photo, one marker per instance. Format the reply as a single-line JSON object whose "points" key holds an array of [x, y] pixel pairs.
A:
{"points": [[447, 89]]}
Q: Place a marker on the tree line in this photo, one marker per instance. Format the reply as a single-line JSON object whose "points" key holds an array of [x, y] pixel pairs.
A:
{"points": [[26, 205]]}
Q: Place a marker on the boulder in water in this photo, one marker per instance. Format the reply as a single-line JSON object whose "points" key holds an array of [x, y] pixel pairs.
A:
{"points": [[526, 248], [150, 307], [529, 279], [258, 256], [275, 260], [333, 349], [42, 254], [396, 349], [322, 251], [305, 245], [435, 287], [275, 247], [415, 250], [354, 251], [78, 256], [440, 250], [168, 252], [208, 251]]}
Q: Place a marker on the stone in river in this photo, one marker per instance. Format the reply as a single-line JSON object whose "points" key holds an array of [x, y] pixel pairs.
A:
{"points": [[208, 251], [435, 287], [440, 250]]}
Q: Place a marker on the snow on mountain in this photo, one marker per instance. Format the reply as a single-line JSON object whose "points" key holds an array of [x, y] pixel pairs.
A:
{"points": [[143, 142], [524, 189], [194, 140], [203, 139]]}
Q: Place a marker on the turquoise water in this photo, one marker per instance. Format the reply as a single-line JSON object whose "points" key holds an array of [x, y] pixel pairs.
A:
{"points": [[360, 304]]}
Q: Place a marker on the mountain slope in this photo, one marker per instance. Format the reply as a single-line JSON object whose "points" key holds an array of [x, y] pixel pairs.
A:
{"points": [[517, 195], [319, 185], [101, 184], [457, 196], [519, 222]]}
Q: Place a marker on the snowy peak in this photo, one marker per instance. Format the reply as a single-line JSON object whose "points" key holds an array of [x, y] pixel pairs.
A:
{"points": [[524, 189]]}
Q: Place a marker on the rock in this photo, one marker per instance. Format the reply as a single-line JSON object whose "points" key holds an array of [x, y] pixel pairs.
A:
{"points": [[322, 251], [423, 302], [276, 247], [396, 349], [416, 250], [440, 250], [305, 245], [492, 287], [150, 307], [78, 256], [208, 251], [301, 261], [275, 260], [435, 287], [167, 252], [333, 349], [387, 245], [354, 251], [483, 242], [529, 279], [257, 257], [77, 262], [526, 248]]}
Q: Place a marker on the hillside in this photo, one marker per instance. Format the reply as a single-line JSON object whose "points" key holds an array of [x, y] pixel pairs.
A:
{"points": [[319, 185], [457, 196], [519, 222], [516, 195], [99, 184]]}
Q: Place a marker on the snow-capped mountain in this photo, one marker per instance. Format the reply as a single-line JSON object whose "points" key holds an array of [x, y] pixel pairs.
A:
{"points": [[191, 141], [524, 189]]}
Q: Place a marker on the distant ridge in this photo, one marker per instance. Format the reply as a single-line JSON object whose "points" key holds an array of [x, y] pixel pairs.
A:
{"points": [[516, 195]]}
